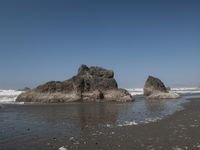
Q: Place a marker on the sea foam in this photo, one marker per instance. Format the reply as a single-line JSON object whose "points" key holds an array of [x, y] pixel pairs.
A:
{"points": [[190, 90], [9, 96], [182, 90], [135, 91]]}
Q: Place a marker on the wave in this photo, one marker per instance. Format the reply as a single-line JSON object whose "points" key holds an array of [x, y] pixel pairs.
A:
{"points": [[135, 91], [9, 96], [146, 120], [182, 90], [191, 90]]}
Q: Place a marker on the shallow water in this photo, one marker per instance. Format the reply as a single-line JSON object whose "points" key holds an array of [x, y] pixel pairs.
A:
{"points": [[25, 123]]}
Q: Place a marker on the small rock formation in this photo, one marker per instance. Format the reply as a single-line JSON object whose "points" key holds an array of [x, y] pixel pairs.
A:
{"points": [[90, 84], [24, 89], [154, 88], [152, 85]]}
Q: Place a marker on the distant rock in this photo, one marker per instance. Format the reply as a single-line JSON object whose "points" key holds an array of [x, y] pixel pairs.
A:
{"points": [[154, 88], [90, 84], [153, 85], [24, 89]]}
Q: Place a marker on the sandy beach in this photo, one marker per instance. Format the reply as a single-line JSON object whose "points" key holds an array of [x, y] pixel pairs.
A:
{"points": [[180, 131], [45, 131]]}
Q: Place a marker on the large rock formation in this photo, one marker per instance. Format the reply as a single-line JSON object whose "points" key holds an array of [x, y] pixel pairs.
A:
{"points": [[154, 88], [90, 84]]}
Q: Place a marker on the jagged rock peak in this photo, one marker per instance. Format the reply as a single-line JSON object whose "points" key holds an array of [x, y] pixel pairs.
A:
{"points": [[95, 71], [153, 84]]}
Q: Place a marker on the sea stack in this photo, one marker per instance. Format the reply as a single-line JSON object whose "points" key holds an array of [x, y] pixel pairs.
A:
{"points": [[154, 88], [90, 84]]}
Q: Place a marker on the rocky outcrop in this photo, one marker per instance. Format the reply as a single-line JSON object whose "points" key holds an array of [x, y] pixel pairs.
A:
{"points": [[154, 88], [90, 84], [153, 85]]}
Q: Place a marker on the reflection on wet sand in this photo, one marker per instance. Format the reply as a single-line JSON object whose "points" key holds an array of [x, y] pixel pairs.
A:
{"points": [[97, 114], [56, 123], [155, 106]]}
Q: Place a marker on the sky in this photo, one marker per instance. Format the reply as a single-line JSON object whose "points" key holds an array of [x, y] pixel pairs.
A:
{"points": [[43, 40]]}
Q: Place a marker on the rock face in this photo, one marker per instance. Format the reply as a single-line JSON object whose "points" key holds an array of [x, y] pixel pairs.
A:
{"points": [[152, 85], [90, 84], [154, 88]]}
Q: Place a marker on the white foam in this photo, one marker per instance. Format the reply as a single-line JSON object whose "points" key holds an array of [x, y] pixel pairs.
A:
{"points": [[127, 123], [9, 96], [182, 90], [135, 91], [148, 120], [133, 123], [108, 125]]}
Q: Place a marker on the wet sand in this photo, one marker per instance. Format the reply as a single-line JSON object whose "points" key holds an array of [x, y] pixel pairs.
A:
{"points": [[180, 131]]}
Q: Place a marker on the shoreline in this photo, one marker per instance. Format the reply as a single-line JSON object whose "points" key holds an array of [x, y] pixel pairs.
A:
{"points": [[50, 130], [179, 131]]}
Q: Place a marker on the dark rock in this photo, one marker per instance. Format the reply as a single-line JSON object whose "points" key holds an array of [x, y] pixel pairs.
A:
{"points": [[153, 84], [83, 69], [90, 84], [95, 72], [154, 88]]}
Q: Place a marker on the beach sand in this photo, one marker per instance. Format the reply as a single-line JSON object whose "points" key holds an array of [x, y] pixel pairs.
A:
{"points": [[180, 131]]}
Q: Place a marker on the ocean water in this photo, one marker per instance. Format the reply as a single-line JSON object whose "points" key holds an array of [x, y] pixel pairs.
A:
{"points": [[33, 126], [9, 96], [182, 90], [137, 112]]}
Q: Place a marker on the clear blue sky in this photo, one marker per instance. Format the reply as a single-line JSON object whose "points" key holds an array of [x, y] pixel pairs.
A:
{"points": [[42, 40]]}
